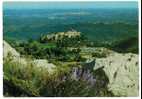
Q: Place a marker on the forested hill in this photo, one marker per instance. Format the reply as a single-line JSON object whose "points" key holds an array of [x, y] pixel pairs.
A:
{"points": [[97, 24], [105, 27], [101, 32]]}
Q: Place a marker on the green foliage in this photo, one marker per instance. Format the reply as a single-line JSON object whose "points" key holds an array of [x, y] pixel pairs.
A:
{"points": [[71, 42], [99, 55], [18, 79], [50, 50], [99, 27], [114, 32], [126, 45], [33, 81]]}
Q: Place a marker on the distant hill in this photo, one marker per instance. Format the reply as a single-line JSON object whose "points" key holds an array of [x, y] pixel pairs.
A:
{"points": [[105, 27], [101, 32], [98, 24]]}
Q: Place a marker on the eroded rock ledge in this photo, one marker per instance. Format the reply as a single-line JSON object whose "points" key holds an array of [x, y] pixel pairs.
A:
{"points": [[122, 70], [123, 73]]}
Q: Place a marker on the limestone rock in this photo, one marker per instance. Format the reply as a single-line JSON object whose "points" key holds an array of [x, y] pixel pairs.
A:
{"points": [[41, 63], [44, 64], [123, 73], [61, 35], [7, 49]]}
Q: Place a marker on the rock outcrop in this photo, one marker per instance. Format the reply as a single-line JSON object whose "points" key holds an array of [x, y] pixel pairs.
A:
{"points": [[61, 35], [122, 71], [11, 52]]}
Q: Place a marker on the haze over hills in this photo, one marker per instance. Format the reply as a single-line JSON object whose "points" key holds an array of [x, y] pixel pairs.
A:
{"points": [[99, 23]]}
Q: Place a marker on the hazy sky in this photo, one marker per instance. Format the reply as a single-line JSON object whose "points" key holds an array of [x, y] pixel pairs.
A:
{"points": [[68, 5]]}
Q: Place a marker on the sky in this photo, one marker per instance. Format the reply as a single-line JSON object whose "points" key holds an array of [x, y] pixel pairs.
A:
{"points": [[68, 5]]}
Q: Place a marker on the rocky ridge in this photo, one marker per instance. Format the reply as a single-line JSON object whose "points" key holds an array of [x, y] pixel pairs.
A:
{"points": [[122, 69]]}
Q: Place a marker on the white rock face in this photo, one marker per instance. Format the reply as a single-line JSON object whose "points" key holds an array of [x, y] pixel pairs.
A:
{"points": [[41, 63], [60, 35], [122, 70], [123, 73], [9, 50], [44, 64]]}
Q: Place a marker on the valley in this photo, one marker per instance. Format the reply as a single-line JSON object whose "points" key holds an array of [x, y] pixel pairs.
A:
{"points": [[80, 51]]}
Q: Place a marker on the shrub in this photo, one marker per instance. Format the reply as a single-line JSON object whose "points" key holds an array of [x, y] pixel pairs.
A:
{"points": [[29, 80], [99, 55]]}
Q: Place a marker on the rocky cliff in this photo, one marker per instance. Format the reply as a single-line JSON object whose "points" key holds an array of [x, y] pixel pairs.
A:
{"points": [[122, 71]]}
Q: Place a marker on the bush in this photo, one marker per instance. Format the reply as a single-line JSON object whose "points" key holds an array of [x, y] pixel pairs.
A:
{"points": [[29, 80], [99, 55], [126, 45]]}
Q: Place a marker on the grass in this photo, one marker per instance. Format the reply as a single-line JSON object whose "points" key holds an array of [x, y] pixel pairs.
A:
{"points": [[21, 80], [48, 45]]}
